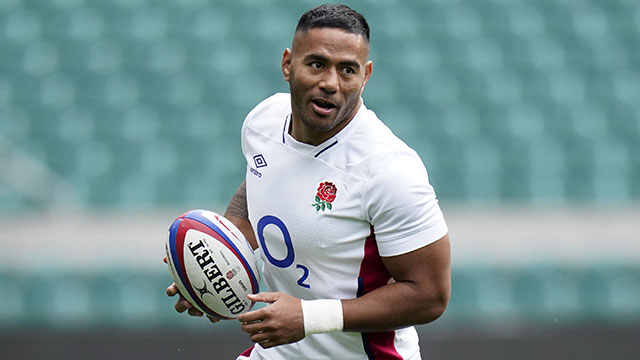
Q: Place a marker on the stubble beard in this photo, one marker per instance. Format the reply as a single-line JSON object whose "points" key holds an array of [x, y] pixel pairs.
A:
{"points": [[308, 118]]}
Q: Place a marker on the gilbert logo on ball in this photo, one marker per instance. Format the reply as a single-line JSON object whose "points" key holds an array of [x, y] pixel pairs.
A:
{"points": [[212, 264]]}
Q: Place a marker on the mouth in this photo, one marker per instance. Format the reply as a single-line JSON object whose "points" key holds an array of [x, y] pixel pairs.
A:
{"points": [[323, 107]]}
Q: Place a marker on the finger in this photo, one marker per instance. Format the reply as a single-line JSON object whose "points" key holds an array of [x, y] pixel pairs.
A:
{"points": [[182, 305], [260, 338], [172, 290], [251, 316], [271, 343], [164, 259], [213, 319], [195, 312], [253, 328], [268, 297]]}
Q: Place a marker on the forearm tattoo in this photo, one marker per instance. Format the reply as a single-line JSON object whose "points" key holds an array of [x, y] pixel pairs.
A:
{"points": [[238, 204]]}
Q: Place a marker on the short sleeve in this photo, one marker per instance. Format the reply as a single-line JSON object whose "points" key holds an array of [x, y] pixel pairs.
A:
{"points": [[402, 205]]}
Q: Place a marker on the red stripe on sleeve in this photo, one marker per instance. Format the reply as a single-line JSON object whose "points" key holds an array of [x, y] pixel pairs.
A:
{"points": [[373, 274]]}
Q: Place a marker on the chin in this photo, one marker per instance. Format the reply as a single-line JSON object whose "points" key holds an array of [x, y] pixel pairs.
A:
{"points": [[320, 124]]}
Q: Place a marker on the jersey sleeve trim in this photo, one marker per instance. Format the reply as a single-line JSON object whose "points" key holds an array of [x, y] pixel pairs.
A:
{"points": [[415, 240]]}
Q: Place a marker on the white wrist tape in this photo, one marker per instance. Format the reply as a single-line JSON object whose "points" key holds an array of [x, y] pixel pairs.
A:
{"points": [[321, 316]]}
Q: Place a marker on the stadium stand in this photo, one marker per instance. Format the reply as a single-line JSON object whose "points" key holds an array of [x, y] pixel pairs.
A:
{"points": [[481, 72]]}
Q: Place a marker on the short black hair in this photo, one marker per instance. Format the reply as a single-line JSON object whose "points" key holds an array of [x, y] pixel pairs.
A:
{"points": [[334, 16]]}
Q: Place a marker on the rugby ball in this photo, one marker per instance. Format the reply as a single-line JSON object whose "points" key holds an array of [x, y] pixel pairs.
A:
{"points": [[212, 264]]}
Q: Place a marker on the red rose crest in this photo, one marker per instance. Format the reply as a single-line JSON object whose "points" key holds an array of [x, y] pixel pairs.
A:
{"points": [[325, 196]]}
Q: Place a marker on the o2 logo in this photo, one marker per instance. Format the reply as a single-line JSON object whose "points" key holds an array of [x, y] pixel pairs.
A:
{"points": [[290, 257]]}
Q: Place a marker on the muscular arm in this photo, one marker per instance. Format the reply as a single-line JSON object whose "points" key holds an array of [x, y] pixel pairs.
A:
{"points": [[238, 214], [419, 294]]}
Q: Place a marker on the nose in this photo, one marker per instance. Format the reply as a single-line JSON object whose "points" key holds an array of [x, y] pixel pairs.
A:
{"points": [[329, 81]]}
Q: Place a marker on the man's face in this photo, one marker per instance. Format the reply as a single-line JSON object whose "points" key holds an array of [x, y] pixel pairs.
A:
{"points": [[327, 70]]}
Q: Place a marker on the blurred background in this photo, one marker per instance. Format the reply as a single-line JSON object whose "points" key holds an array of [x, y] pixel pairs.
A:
{"points": [[117, 116]]}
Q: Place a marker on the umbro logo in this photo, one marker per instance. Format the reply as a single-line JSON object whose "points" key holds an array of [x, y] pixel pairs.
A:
{"points": [[259, 162]]}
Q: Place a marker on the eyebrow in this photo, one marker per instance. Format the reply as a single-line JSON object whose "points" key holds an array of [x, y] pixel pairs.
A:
{"points": [[322, 58]]}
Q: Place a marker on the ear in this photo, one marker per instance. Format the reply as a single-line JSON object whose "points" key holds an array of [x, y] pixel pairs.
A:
{"points": [[368, 68], [286, 64]]}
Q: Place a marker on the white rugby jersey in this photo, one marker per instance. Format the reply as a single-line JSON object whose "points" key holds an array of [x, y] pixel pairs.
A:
{"points": [[324, 215]]}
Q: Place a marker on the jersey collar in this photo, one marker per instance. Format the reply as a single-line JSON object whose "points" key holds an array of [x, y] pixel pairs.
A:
{"points": [[328, 144]]}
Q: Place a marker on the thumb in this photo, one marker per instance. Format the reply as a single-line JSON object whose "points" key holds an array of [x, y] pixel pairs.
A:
{"points": [[267, 297]]}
